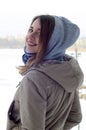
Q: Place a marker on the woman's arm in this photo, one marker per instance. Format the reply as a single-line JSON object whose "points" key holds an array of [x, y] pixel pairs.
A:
{"points": [[32, 106], [75, 115]]}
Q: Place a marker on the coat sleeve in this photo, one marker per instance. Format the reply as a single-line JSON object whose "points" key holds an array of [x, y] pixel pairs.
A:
{"points": [[75, 115], [32, 106]]}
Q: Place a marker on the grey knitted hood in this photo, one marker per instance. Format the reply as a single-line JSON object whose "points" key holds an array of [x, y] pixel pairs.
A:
{"points": [[64, 35]]}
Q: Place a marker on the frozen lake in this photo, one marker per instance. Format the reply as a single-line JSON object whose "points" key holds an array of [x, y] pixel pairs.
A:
{"points": [[9, 78]]}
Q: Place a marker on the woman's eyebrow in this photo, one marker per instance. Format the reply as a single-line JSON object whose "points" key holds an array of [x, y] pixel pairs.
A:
{"points": [[33, 27]]}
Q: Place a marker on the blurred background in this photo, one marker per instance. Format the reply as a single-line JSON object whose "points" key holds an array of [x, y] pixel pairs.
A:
{"points": [[15, 18]]}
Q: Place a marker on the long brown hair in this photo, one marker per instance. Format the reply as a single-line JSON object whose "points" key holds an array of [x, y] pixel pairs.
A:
{"points": [[47, 26]]}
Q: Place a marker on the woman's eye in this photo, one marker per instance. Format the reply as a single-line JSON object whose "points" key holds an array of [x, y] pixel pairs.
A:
{"points": [[30, 30]]}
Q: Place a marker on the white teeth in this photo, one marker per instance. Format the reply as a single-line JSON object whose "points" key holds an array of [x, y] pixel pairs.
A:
{"points": [[31, 44]]}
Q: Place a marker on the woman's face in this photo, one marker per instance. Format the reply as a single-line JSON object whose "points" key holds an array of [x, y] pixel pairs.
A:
{"points": [[32, 37]]}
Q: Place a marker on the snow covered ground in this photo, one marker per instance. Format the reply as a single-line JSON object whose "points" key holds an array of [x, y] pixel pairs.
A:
{"points": [[9, 78]]}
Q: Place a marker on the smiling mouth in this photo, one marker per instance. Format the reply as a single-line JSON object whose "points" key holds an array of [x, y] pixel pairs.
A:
{"points": [[32, 44]]}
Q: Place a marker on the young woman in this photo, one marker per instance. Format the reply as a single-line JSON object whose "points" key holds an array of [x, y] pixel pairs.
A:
{"points": [[47, 97]]}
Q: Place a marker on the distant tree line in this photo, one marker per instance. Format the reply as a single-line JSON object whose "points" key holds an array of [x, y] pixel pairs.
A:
{"points": [[80, 45], [19, 42], [12, 42]]}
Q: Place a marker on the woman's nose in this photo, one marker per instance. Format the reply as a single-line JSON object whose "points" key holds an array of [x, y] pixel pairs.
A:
{"points": [[32, 35]]}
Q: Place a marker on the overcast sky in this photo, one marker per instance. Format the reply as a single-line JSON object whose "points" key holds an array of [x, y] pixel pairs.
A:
{"points": [[16, 15]]}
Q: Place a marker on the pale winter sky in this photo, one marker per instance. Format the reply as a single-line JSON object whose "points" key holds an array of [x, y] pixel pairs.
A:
{"points": [[16, 15]]}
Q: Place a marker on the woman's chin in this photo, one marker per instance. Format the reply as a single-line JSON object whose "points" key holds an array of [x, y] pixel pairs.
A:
{"points": [[31, 50]]}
